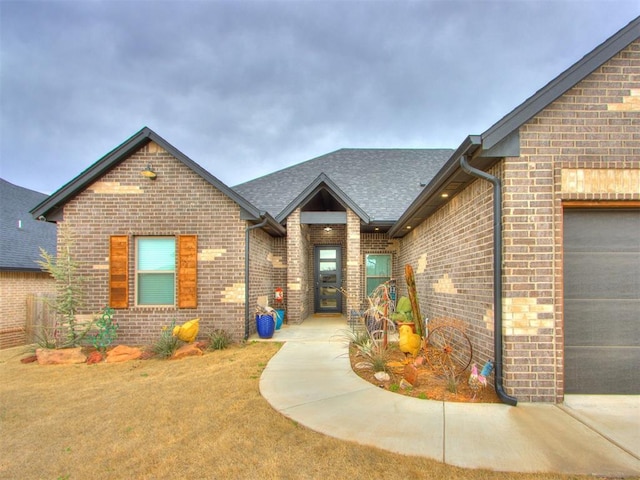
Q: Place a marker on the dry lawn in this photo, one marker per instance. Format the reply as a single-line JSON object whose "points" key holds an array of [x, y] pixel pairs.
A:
{"points": [[201, 417]]}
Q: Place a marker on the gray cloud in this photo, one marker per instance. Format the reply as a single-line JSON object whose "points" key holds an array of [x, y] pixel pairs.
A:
{"points": [[245, 88]]}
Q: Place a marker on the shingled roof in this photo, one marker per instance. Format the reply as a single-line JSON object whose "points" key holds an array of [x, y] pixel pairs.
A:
{"points": [[20, 235], [382, 182]]}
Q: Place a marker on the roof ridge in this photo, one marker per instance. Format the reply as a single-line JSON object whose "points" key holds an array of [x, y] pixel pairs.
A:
{"points": [[23, 188], [334, 152]]}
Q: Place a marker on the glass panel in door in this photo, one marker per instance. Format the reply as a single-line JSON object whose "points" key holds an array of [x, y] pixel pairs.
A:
{"points": [[328, 281]]}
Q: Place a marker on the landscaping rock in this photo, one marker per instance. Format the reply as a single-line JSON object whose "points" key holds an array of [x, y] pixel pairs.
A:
{"points": [[202, 344], [188, 350], [363, 366], [62, 356], [94, 357], [30, 359], [405, 385], [411, 374], [147, 354], [122, 353], [382, 376]]}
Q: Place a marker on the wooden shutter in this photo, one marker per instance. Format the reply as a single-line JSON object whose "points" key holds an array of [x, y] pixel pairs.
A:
{"points": [[187, 271], [119, 271]]}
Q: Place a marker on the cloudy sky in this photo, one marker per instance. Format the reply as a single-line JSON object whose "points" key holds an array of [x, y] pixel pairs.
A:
{"points": [[248, 87]]}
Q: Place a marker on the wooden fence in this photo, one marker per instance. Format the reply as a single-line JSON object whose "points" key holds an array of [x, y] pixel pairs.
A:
{"points": [[40, 316]]}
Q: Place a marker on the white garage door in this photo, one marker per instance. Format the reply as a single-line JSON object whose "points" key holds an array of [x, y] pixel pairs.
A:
{"points": [[602, 301]]}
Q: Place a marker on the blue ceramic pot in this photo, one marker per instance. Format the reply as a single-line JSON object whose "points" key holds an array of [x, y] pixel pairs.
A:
{"points": [[265, 325], [279, 318]]}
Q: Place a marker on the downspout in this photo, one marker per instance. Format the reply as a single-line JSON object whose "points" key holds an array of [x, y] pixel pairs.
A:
{"points": [[246, 274], [497, 275]]}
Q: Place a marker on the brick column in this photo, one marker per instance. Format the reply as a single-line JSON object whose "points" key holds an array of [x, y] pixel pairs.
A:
{"points": [[294, 298], [354, 263]]}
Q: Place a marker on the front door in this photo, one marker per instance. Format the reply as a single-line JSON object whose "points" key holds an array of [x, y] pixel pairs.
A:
{"points": [[328, 281]]}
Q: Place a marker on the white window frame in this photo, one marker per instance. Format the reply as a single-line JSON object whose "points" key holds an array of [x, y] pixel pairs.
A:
{"points": [[138, 272]]}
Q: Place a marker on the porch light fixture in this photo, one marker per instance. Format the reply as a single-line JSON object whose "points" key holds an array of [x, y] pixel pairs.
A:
{"points": [[327, 229], [149, 173], [445, 195]]}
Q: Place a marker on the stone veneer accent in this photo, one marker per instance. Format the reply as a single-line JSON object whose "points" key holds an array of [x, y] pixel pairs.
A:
{"points": [[600, 180]]}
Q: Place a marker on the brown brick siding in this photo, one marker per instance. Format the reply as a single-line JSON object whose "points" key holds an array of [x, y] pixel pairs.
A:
{"points": [[279, 270], [299, 286], [14, 288], [451, 254], [354, 263], [261, 276], [528, 317], [178, 202], [583, 147]]}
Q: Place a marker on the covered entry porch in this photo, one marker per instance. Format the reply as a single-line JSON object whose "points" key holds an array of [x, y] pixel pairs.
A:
{"points": [[323, 265]]}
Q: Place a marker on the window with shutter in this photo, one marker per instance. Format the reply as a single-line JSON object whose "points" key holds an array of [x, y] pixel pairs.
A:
{"points": [[155, 270]]}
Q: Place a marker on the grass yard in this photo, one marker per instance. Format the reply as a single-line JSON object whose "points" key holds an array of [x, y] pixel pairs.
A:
{"points": [[200, 417]]}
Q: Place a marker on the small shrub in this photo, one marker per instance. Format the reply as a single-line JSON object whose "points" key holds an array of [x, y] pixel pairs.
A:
{"points": [[378, 358], [107, 330], [423, 396], [167, 344], [452, 380], [44, 339], [219, 340], [394, 387], [70, 292], [361, 338], [369, 347]]}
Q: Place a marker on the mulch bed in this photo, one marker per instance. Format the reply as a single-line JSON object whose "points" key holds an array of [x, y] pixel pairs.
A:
{"points": [[428, 384]]}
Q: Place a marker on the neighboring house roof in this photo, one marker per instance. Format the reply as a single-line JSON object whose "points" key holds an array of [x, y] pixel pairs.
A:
{"points": [[501, 139], [21, 236], [51, 207], [380, 182]]}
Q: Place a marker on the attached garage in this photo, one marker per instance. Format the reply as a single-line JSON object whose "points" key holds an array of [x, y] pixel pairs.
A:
{"points": [[602, 301]]}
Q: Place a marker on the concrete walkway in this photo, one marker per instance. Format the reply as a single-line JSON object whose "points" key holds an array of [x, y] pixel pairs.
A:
{"points": [[310, 381]]}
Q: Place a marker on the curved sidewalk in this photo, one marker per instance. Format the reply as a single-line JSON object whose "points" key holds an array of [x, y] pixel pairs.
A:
{"points": [[310, 381]]}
